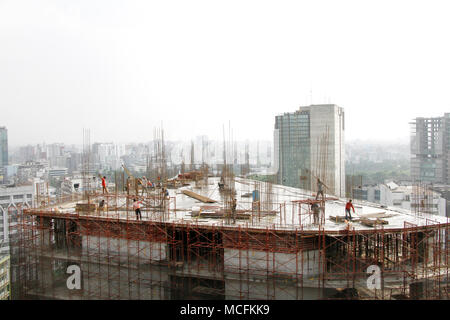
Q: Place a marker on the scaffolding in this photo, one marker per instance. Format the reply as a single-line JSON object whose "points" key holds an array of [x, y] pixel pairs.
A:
{"points": [[267, 247], [164, 256]]}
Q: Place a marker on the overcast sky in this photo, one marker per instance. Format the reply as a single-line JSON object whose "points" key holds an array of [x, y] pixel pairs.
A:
{"points": [[121, 68]]}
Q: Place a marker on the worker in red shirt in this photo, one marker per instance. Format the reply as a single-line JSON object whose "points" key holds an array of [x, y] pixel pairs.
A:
{"points": [[104, 185], [347, 209]]}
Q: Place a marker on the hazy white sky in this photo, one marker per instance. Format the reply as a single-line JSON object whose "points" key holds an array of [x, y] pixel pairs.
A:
{"points": [[122, 67]]}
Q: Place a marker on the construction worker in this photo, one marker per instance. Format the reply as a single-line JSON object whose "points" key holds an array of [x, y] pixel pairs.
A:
{"points": [[101, 206], [137, 208], [347, 209], [128, 185], [233, 209], [319, 189], [143, 182], [221, 183], [166, 193], [105, 190], [315, 210]]}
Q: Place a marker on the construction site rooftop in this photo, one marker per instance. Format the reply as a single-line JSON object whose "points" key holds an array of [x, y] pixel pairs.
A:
{"points": [[288, 209]]}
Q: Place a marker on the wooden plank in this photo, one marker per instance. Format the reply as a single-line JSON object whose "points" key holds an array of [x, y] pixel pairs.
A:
{"points": [[198, 196], [240, 214], [377, 215]]}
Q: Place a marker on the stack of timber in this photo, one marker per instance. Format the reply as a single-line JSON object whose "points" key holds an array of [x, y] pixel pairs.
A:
{"points": [[338, 219], [372, 222]]}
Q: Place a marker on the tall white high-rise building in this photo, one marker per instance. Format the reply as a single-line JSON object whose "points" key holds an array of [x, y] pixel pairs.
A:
{"points": [[309, 144]]}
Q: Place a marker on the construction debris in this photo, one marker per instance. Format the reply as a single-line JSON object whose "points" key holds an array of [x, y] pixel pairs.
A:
{"points": [[85, 207]]}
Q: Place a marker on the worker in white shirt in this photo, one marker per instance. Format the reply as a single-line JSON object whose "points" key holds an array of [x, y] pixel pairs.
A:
{"points": [[137, 208]]}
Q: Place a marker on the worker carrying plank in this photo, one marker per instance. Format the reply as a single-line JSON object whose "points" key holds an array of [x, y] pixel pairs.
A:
{"points": [[349, 206], [320, 189]]}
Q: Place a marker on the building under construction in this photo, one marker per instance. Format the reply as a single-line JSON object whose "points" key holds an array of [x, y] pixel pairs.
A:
{"points": [[192, 243], [430, 149]]}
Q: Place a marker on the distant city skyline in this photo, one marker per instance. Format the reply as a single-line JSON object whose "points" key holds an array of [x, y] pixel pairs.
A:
{"points": [[401, 140], [122, 69]]}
